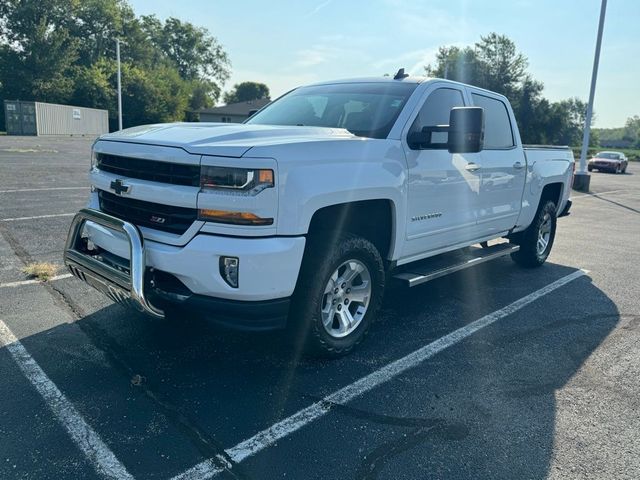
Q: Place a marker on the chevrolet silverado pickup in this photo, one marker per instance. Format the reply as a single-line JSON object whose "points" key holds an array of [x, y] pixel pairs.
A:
{"points": [[298, 217]]}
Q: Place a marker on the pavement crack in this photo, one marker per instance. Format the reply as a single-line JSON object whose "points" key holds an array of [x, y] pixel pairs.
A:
{"points": [[207, 446], [621, 205]]}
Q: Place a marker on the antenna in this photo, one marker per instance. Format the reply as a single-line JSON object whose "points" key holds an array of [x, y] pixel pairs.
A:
{"points": [[400, 75]]}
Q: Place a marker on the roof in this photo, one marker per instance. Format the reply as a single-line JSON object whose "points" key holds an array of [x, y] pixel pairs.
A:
{"points": [[384, 79], [240, 108]]}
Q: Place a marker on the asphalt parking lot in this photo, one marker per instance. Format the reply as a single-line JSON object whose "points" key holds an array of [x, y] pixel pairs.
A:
{"points": [[545, 386]]}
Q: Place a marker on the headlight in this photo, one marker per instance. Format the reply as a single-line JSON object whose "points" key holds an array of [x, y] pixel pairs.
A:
{"points": [[239, 181], [94, 160]]}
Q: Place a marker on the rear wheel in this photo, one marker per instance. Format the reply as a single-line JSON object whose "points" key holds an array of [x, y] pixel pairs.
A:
{"points": [[338, 294], [536, 241]]}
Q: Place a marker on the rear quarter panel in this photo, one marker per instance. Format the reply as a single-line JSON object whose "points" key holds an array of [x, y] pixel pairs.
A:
{"points": [[544, 167]]}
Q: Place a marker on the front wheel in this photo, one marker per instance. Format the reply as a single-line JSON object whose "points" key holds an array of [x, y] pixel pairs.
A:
{"points": [[338, 294], [536, 241]]}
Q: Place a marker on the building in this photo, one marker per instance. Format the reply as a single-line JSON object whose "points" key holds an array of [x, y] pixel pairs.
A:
{"points": [[38, 118], [232, 113]]}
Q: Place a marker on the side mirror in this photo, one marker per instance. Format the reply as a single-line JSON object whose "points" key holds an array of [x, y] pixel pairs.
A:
{"points": [[466, 130]]}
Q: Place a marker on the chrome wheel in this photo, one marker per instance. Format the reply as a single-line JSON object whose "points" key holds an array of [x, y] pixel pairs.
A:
{"points": [[346, 298], [544, 234]]}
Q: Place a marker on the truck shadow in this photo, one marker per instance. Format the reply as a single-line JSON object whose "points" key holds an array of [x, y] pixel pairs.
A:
{"points": [[485, 408]]}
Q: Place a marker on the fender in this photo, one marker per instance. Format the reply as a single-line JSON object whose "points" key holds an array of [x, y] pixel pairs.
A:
{"points": [[320, 174]]}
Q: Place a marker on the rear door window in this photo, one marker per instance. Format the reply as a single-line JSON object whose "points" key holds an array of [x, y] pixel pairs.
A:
{"points": [[497, 125]]}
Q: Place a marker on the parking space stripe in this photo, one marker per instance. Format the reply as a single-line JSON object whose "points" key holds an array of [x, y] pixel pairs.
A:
{"points": [[15, 219], [247, 448], [87, 440], [34, 281], [45, 189]]}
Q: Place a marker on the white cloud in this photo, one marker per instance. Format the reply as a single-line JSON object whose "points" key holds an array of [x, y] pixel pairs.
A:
{"points": [[319, 7]]}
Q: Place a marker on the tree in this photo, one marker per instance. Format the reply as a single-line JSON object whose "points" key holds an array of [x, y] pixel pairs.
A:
{"points": [[197, 54], [495, 64], [38, 51], [246, 91], [63, 51]]}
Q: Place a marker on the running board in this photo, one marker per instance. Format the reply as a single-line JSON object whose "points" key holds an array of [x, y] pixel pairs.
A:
{"points": [[440, 265]]}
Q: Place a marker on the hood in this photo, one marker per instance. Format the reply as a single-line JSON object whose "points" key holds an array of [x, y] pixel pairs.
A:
{"points": [[223, 139]]}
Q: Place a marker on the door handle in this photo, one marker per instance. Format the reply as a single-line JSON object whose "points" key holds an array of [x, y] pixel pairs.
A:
{"points": [[472, 167], [518, 165]]}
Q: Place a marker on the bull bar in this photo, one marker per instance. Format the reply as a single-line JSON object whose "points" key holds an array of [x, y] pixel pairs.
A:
{"points": [[117, 284]]}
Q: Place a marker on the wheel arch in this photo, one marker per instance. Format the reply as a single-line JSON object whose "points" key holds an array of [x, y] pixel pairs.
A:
{"points": [[373, 219]]}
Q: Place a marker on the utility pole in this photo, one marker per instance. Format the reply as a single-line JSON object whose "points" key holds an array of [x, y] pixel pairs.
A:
{"points": [[119, 85], [582, 178]]}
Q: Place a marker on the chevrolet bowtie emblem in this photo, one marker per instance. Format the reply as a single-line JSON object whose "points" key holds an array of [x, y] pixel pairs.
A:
{"points": [[119, 188]]}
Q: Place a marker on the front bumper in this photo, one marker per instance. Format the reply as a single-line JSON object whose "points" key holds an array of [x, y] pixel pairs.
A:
{"points": [[609, 167], [268, 271]]}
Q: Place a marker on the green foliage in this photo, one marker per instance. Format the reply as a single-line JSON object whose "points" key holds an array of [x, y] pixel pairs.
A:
{"points": [[495, 64], [246, 91], [63, 51], [629, 134]]}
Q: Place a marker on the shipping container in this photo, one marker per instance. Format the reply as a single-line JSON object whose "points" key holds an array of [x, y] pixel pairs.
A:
{"points": [[38, 118]]}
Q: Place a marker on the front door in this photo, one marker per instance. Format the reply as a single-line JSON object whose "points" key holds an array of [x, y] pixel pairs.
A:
{"points": [[443, 188]]}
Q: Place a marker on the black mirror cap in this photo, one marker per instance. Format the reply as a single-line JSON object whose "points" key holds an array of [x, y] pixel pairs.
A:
{"points": [[466, 130]]}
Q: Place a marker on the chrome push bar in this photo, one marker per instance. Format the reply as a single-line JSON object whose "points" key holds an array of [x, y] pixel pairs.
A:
{"points": [[117, 284]]}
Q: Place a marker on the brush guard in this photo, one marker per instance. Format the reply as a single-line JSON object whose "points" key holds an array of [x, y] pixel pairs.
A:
{"points": [[118, 284]]}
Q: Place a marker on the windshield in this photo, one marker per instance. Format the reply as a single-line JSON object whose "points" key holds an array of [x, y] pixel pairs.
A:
{"points": [[365, 109], [612, 156]]}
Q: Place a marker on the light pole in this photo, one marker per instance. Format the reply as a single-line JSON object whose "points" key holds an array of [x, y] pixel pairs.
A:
{"points": [[582, 178], [119, 85]]}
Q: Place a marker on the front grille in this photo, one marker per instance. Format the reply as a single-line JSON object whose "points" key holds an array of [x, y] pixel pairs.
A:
{"points": [[165, 172], [147, 214]]}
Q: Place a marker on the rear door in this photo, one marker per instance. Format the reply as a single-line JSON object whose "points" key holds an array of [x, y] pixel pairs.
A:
{"points": [[502, 165]]}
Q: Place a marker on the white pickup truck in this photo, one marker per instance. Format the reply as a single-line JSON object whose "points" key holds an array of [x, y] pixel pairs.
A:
{"points": [[299, 216]]}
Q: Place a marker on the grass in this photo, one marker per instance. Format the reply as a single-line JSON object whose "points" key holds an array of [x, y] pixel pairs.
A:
{"points": [[633, 154], [42, 271]]}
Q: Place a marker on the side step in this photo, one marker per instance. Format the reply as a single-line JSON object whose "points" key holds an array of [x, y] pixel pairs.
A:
{"points": [[440, 265]]}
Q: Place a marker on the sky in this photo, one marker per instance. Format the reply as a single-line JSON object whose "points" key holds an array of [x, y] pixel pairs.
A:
{"points": [[290, 43]]}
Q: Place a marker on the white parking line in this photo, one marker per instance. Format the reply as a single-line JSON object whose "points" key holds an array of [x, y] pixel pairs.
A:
{"points": [[209, 468], [34, 281], [15, 219], [86, 439], [43, 189]]}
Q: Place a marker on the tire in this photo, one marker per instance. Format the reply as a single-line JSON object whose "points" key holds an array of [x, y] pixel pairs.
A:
{"points": [[326, 318], [618, 170], [532, 252], [590, 169]]}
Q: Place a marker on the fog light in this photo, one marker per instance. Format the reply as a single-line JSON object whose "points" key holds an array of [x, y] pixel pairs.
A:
{"points": [[229, 267]]}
